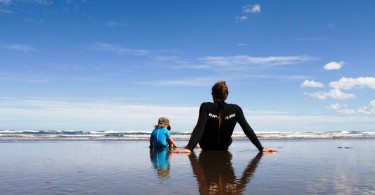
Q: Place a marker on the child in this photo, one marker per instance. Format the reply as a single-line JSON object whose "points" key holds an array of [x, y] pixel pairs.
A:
{"points": [[160, 136]]}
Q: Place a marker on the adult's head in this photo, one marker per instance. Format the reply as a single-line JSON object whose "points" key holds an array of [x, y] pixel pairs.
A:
{"points": [[219, 91]]}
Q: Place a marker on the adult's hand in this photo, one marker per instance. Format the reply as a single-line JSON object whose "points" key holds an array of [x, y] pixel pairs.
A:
{"points": [[269, 150], [181, 151]]}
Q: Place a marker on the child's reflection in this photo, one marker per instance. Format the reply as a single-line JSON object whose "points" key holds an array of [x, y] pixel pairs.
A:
{"points": [[160, 160], [215, 174]]}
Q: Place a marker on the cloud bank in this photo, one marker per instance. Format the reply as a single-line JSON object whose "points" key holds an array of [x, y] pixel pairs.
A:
{"points": [[343, 84], [343, 109], [350, 83]]}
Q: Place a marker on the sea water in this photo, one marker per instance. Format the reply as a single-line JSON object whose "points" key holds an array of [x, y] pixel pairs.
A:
{"points": [[301, 166]]}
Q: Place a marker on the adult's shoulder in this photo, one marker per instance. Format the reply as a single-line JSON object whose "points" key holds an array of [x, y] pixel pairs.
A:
{"points": [[205, 106], [207, 103], [233, 106]]}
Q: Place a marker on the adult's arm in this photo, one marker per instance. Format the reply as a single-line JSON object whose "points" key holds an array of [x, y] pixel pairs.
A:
{"points": [[248, 172], [198, 129], [199, 174], [248, 130]]}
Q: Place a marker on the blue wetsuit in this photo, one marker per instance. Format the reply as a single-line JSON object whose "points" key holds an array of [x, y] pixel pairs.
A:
{"points": [[160, 137], [160, 158]]}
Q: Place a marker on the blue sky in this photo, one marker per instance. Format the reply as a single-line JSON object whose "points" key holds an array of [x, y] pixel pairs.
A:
{"points": [[119, 65]]}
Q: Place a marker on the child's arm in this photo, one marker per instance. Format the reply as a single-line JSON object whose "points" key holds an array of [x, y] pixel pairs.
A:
{"points": [[172, 143], [151, 143]]}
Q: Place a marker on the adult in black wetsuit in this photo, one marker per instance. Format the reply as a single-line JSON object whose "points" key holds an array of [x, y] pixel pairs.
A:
{"points": [[216, 123]]}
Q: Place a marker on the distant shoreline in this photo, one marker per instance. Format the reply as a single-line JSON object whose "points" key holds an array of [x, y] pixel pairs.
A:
{"points": [[15, 139]]}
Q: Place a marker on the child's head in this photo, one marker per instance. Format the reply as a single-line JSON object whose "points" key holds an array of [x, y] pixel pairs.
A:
{"points": [[163, 122]]}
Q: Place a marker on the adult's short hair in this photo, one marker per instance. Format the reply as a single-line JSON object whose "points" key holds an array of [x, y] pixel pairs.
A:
{"points": [[220, 90]]}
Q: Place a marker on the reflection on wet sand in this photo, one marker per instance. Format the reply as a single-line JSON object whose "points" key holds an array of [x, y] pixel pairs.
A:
{"points": [[215, 174], [160, 161]]}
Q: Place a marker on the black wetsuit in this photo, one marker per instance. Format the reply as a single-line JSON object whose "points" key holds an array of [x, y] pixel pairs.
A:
{"points": [[210, 135]]}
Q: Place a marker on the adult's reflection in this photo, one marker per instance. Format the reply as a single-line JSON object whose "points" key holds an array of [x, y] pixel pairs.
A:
{"points": [[215, 174], [160, 160]]}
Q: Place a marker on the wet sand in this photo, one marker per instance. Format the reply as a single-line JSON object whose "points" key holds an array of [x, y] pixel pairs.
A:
{"points": [[329, 166]]}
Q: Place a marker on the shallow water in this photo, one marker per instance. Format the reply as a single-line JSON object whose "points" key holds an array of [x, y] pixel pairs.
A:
{"points": [[329, 166]]}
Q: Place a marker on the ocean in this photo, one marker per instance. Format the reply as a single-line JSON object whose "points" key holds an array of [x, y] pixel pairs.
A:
{"points": [[144, 135], [108, 162]]}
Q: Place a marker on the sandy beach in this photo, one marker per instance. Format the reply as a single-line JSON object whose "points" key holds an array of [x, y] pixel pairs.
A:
{"points": [[334, 166]]}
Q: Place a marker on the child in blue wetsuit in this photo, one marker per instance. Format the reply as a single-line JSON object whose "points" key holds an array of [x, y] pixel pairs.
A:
{"points": [[160, 136]]}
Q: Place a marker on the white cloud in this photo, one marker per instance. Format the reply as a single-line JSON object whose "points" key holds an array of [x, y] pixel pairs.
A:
{"points": [[248, 60], [114, 24], [311, 83], [336, 106], [369, 109], [251, 8], [342, 108], [334, 94], [248, 9], [349, 83], [119, 50], [20, 47], [344, 83], [333, 66], [241, 18]]}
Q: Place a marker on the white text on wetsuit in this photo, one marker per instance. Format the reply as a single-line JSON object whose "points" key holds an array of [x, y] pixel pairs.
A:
{"points": [[226, 117], [230, 116]]}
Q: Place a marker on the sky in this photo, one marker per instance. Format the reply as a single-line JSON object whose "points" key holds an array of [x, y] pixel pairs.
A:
{"points": [[291, 65]]}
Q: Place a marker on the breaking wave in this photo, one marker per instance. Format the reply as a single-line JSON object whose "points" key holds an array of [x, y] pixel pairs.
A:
{"points": [[144, 135]]}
